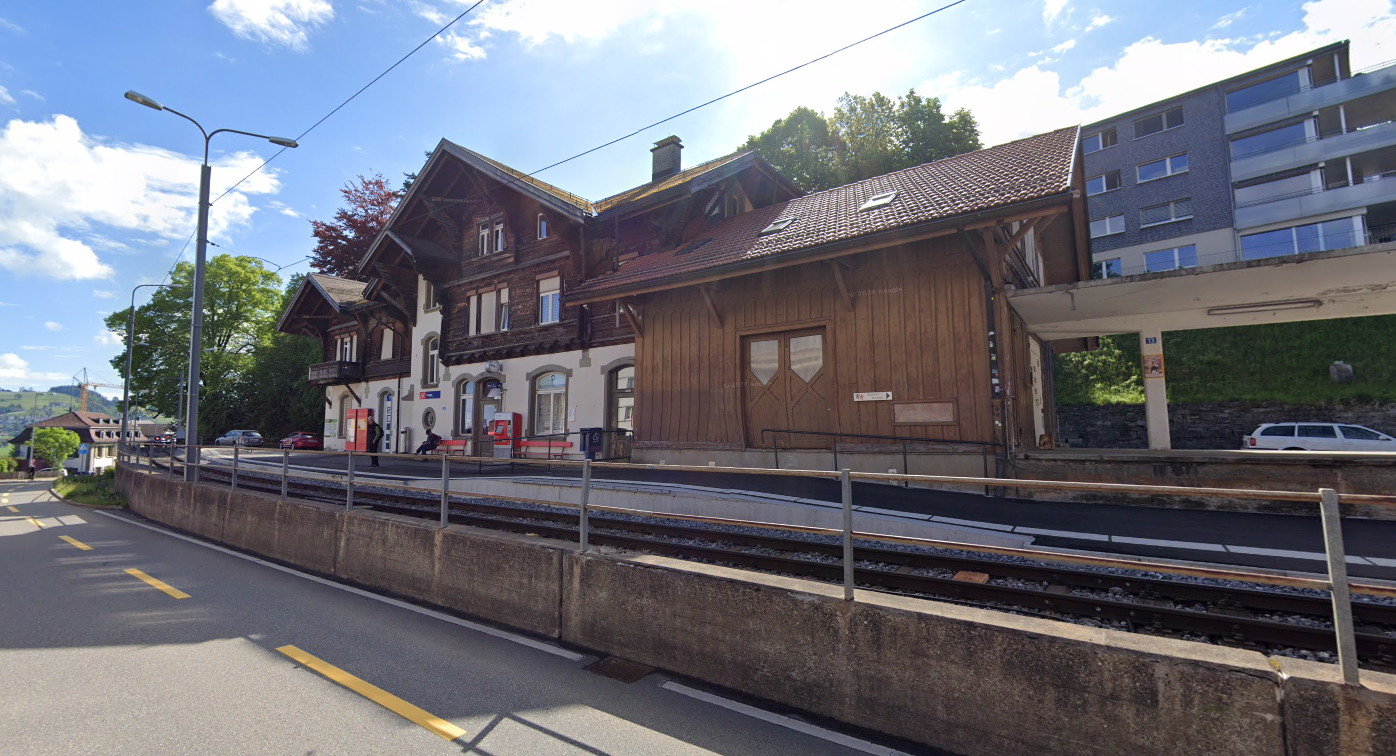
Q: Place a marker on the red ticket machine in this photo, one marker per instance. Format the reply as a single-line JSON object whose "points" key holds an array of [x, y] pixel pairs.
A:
{"points": [[506, 428], [356, 435]]}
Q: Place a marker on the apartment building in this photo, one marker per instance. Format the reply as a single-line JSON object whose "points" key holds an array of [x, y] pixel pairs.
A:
{"points": [[1299, 156]]}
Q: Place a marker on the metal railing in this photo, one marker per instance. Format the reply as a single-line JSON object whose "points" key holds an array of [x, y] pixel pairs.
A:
{"points": [[1384, 176], [1328, 503], [1373, 235]]}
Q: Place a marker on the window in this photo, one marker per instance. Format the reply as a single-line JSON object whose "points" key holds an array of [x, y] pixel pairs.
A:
{"points": [[1166, 213], [1359, 433], [429, 419], [1107, 268], [622, 415], [484, 238], [775, 226], [498, 234], [1160, 168], [807, 356], [344, 348], [1170, 259], [1269, 141], [1272, 89], [542, 226], [765, 360], [1317, 431], [1279, 430], [550, 404], [1312, 237], [465, 409], [1103, 183], [501, 317], [1169, 119], [1100, 140], [433, 360], [429, 302], [1289, 186], [549, 301], [878, 200], [386, 347], [339, 426], [1114, 224]]}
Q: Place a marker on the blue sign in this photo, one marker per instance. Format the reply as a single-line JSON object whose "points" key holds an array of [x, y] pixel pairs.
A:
{"points": [[1150, 339], [83, 448], [430, 395]]}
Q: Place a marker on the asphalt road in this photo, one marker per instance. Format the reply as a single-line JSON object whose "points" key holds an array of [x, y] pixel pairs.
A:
{"points": [[94, 659]]}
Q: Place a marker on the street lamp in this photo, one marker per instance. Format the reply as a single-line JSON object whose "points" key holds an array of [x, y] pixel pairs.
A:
{"points": [[196, 325], [131, 347]]}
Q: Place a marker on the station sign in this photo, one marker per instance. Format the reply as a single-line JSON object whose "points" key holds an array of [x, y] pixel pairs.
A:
{"points": [[430, 395], [873, 396]]}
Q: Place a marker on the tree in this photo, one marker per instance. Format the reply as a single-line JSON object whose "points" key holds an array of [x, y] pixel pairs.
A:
{"points": [[343, 242], [8, 462], [55, 445], [275, 395], [866, 137], [241, 300]]}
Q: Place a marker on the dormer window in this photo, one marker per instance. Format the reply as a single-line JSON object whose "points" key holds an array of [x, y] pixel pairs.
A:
{"points": [[878, 200], [542, 226]]}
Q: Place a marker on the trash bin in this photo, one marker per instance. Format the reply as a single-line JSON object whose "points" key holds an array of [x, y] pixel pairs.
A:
{"points": [[593, 443]]}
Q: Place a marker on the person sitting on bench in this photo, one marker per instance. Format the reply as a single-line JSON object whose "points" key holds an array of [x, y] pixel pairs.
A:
{"points": [[429, 445]]}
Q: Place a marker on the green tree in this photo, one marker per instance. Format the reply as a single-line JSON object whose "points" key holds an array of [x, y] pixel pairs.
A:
{"points": [[802, 147], [240, 311], [55, 445], [276, 397], [8, 463]]}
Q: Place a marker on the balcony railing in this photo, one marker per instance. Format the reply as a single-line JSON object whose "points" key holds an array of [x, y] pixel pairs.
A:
{"points": [[388, 368], [335, 372], [1387, 176], [1373, 235]]}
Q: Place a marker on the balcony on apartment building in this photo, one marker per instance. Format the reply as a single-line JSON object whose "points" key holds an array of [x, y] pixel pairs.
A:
{"points": [[1293, 95], [1337, 132], [1355, 182], [334, 373]]}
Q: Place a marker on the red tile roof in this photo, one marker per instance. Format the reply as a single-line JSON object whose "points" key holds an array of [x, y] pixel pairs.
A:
{"points": [[1008, 174]]}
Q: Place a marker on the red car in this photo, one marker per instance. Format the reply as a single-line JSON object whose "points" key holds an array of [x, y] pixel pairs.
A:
{"points": [[301, 440]]}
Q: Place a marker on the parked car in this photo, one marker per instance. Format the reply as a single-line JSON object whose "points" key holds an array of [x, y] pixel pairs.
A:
{"points": [[1318, 437], [239, 438], [301, 440]]}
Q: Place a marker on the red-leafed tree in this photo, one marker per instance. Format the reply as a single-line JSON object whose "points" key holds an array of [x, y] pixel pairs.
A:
{"points": [[340, 244]]}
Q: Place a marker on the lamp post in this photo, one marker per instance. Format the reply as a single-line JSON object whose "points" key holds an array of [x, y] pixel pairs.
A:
{"points": [[196, 325], [130, 347]]}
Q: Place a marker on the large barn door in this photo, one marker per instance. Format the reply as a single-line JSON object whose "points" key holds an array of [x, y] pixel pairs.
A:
{"points": [[786, 386]]}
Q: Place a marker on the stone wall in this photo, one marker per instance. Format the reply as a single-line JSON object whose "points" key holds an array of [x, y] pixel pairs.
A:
{"points": [[1203, 426]]}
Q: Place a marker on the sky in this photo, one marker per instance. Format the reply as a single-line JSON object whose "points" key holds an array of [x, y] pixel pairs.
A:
{"points": [[98, 194]]}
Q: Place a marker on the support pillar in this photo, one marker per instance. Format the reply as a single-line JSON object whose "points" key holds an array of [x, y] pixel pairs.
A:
{"points": [[1155, 388]]}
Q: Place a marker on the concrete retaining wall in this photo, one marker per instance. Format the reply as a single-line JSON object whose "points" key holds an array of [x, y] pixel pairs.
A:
{"points": [[970, 681]]}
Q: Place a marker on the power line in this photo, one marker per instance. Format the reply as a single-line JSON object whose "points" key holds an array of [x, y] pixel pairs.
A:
{"points": [[337, 108], [714, 100]]}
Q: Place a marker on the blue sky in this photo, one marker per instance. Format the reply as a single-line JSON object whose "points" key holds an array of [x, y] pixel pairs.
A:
{"points": [[97, 194]]}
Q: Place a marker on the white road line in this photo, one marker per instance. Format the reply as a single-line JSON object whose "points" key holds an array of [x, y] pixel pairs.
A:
{"points": [[1063, 534], [487, 630], [1313, 555], [846, 741], [1169, 544]]}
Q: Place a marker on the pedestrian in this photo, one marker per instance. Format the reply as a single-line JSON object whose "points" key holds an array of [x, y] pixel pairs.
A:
{"points": [[32, 469], [375, 437]]}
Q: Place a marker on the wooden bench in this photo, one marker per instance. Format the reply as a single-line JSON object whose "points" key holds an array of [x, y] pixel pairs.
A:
{"points": [[449, 447], [549, 450]]}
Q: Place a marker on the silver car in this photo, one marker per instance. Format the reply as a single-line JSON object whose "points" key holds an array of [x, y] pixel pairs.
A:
{"points": [[1318, 437], [239, 438]]}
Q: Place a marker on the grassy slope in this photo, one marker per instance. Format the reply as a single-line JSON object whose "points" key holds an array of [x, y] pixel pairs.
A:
{"points": [[92, 490], [1285, 362]]}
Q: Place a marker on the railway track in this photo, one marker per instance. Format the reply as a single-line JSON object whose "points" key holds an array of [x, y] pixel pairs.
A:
{"points": [[1244, 617]]}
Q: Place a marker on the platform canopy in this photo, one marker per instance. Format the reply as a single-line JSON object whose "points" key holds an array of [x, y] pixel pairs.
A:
{"points": [[1312, 286]]}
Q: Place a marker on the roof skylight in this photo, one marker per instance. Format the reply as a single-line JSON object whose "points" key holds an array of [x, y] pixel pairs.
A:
{"points": [[878, 200], [776, 226]]}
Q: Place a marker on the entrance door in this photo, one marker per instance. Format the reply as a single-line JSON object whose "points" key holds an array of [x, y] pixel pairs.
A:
{"points": [[787, 386], [490, 402]]}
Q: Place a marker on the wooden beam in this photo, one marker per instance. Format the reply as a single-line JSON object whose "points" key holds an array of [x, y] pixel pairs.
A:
{"points": [[354, 394], [631, 316], [325, 392], [843, 287], [712, 306], [1021, 232]]}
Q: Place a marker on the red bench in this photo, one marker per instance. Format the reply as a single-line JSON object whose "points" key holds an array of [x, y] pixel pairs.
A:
{"points": [[549, 450], [452, 446]]}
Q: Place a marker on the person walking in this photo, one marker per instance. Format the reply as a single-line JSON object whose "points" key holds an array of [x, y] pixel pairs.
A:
{"points": [[375, 437], [32, 468]]}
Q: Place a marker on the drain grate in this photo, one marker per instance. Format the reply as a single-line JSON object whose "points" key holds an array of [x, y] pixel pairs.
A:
{"points": [[617, 668]]}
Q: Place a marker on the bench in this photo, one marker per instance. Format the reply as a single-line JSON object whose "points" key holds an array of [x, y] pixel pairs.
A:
{"points": [[549, 450], [449, 447]]}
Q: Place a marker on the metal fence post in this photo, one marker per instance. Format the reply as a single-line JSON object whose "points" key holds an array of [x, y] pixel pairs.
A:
{"points": [[1338, 584], [235, 467], [445, 490], [349, 493], [847, 485], [285, 470], [582, 526], [191, 456]]}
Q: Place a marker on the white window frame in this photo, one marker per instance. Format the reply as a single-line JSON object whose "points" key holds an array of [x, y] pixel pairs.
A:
{"points": [[484, 238], [429, 300], [1100, 136], [1164, 116], [487, 312], [550, 300], [543, 425], [1168, 168], [1171, 207], [1107, 220], [1105, 267], [542, 226], [431, 371], [1104, 182], [1177, 263], [344, 348], [501, 317], [499, 235]]}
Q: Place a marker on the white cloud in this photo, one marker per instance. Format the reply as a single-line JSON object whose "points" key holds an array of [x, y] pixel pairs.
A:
{"points": [[109, 339], [59, 185], [1098, 21], [8, 304], [278, 22], [6, 24], [5, 97], [1052, 10], [1035, 99], [39, 348], [13, 368], [1063, 47], [32, 93], [1230, 19], [98, 293], [52, 326]]}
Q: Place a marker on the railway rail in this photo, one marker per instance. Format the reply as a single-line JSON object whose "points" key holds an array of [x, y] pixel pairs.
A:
{"points": [[1227, 615]]}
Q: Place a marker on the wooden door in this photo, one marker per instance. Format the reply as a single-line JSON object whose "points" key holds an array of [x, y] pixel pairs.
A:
{"points": [[787, 385]]}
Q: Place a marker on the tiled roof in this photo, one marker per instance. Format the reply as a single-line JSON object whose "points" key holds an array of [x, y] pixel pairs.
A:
{"points": [[655, 187], [1020, 171], [343, 291], [578, 202]]}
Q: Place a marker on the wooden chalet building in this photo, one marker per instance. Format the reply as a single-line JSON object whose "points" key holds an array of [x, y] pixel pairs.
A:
{"points": [[463, 311], [874, 309]]}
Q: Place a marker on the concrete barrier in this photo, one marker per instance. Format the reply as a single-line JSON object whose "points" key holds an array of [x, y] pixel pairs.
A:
{"points": [[970, 681]]}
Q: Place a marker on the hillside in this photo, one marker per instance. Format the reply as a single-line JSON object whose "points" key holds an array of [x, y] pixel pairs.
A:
{"points": [[1284, 362], [20, 408]]}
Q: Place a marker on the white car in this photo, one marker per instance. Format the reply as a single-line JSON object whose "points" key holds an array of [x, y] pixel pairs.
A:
{"points": [[1318, 437]]}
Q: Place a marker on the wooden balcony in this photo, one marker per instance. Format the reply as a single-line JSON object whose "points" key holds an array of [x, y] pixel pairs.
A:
{"points": [[331, 373], [388, 368]]}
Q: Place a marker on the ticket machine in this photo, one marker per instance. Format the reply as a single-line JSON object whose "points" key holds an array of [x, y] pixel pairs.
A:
{"points": [[507, 429]]}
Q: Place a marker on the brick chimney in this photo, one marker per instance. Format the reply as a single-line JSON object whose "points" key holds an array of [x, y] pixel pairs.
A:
{"points": [[666, 157]]}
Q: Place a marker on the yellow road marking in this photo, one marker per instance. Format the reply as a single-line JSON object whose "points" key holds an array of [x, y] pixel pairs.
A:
{"points": [[76, 543], [12, 509], [148, 580], [375, 694], [35, 523]]}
